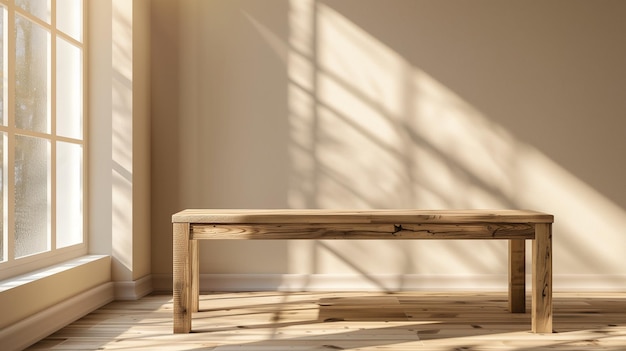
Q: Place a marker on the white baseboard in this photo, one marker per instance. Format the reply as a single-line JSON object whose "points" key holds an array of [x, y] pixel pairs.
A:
{"points": [[36, 327], [589, 282], [133, 290], [386, 282]]}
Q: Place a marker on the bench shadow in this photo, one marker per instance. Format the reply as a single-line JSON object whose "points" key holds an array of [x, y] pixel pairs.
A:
{"points": [[349, 321]]}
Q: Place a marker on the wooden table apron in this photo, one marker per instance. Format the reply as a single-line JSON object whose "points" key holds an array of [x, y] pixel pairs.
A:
{"points": [[516, 226]]}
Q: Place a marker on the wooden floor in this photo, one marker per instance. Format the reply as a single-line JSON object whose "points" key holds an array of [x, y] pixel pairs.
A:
{"points": [[279, 321]]}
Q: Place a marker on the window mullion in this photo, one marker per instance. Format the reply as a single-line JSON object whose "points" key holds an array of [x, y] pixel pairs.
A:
{"points": [[85, 121], [52, 64], [9, 105]]}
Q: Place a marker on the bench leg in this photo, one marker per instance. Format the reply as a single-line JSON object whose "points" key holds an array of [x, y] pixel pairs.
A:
{"points": [[195, 275], [542, 279], [517, 276], [182, 278]]}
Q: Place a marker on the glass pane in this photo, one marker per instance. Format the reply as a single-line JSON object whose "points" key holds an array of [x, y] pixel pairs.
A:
{"points": [[32, 76], [32, 189], [39, 8], [69, 194], [69, 90], [3, 73], [69, 18]]}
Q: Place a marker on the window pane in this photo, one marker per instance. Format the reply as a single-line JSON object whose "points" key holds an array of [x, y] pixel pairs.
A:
{"points": [[69, 18], [32, 77], [69, 90], [69, 194], [39, 8], [32, 207]]}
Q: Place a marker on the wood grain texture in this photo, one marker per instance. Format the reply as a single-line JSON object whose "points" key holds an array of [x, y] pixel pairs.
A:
{"points": [[360, 216], [360, 231], [514, 225], [366, 321], [542, 279], [194, 251], [517, 276], [182, 278]]}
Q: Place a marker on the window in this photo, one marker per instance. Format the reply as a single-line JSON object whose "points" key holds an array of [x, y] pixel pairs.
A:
{"points": [[42, 142]]}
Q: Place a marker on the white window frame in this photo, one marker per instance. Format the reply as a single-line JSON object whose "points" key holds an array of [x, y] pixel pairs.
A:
{"points": [[12, 266]]}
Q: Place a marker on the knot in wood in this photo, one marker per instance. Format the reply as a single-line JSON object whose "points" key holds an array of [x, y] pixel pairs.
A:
{"points": [[397, 228]]}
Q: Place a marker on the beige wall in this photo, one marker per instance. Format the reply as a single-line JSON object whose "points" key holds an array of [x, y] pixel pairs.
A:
{"points": [[119, 136], [392, 104]]}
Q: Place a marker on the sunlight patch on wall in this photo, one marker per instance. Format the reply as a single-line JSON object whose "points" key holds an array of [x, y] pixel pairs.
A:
{"points": [[368, 129], [406, 133], [588, 229], [122, 139]]}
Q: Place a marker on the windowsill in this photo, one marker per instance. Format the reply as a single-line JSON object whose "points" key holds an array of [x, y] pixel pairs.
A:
{"points": [[27, 278], [25, 266]]}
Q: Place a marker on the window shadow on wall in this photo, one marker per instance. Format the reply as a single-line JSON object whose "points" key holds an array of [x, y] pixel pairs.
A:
{"points": [[370, 128], [391, 107]]}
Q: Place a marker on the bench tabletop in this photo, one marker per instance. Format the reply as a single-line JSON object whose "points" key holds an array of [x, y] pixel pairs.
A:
{"points": [[358, 216]]}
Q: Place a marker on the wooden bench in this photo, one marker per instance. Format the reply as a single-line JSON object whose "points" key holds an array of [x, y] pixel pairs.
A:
{"points": [[189, 226]]}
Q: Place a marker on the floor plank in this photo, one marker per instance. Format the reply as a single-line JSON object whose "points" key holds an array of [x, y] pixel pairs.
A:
{"points": [[327, 321]]}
